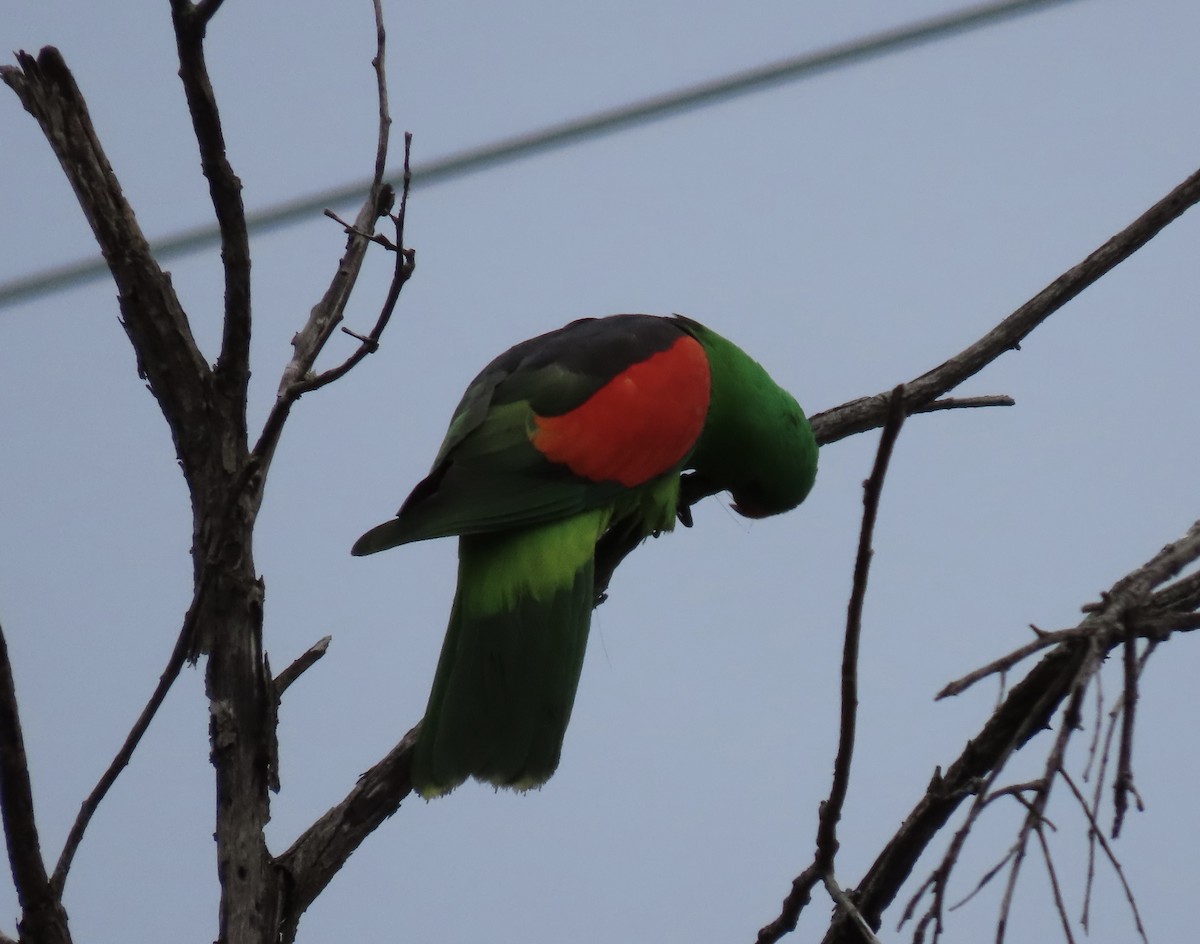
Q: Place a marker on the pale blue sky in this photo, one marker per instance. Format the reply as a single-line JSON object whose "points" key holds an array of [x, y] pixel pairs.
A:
{"points": [[850, 231]]}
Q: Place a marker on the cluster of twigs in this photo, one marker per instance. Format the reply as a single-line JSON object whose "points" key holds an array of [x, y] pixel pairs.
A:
{"points": [[1144, 605], [263, 895]]}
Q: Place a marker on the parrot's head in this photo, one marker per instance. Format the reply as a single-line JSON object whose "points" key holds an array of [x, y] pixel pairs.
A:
{"points": [[757, 443], [779, 462]]}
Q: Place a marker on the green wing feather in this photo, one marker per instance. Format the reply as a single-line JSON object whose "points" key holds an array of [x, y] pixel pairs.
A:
{"points": [[487, 475]]}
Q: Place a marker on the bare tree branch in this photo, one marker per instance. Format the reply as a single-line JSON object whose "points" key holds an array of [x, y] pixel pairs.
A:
{"points": [[406, 261], [225, 190], [857, 416], [964, 403], [1098, 833], [317, 855], [89, 806], [831, 809], [311, 657], [167, 355], [1059, 905], [1027, 709], [1123, 782], [42, 916], [328, 312]]}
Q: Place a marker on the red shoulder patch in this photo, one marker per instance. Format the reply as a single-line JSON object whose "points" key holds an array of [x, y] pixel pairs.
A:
{"points": [[639, 424]]}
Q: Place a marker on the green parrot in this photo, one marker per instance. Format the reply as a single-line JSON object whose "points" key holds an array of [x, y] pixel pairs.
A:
{"points": [[558, 440]]}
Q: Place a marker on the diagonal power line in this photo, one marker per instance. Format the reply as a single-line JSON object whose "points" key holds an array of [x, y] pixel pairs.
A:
{"points": [[516, 147]]}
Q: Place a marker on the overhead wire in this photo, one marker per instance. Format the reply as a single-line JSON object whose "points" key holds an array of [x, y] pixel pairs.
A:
{"points": [[520, 146]]}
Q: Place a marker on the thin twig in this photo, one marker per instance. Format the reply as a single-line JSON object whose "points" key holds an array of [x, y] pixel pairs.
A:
{"points": [[1139, 625], [1044, 641], [327, 314], [848, 908], [401, 273], [1059, 905], [982, 883], [92, 802], [1123, 781], [831, 809], [306, 661], [1109, 854], [1098, 728], [1054, 764], [965, 403]]}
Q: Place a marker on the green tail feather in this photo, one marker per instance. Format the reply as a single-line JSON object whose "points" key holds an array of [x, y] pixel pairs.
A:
{"points": [[511, 660]]}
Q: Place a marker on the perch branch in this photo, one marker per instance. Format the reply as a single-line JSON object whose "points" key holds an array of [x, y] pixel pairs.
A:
{"points": [[866, 413]]}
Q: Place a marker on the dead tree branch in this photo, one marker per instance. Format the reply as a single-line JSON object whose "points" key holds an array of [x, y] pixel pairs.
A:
{"points": [[205, 409], [167, 355], [315, 858], [866, 413], [328, 313], [830, 813], [225, 190], [1028, 709], [43, 918]]}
